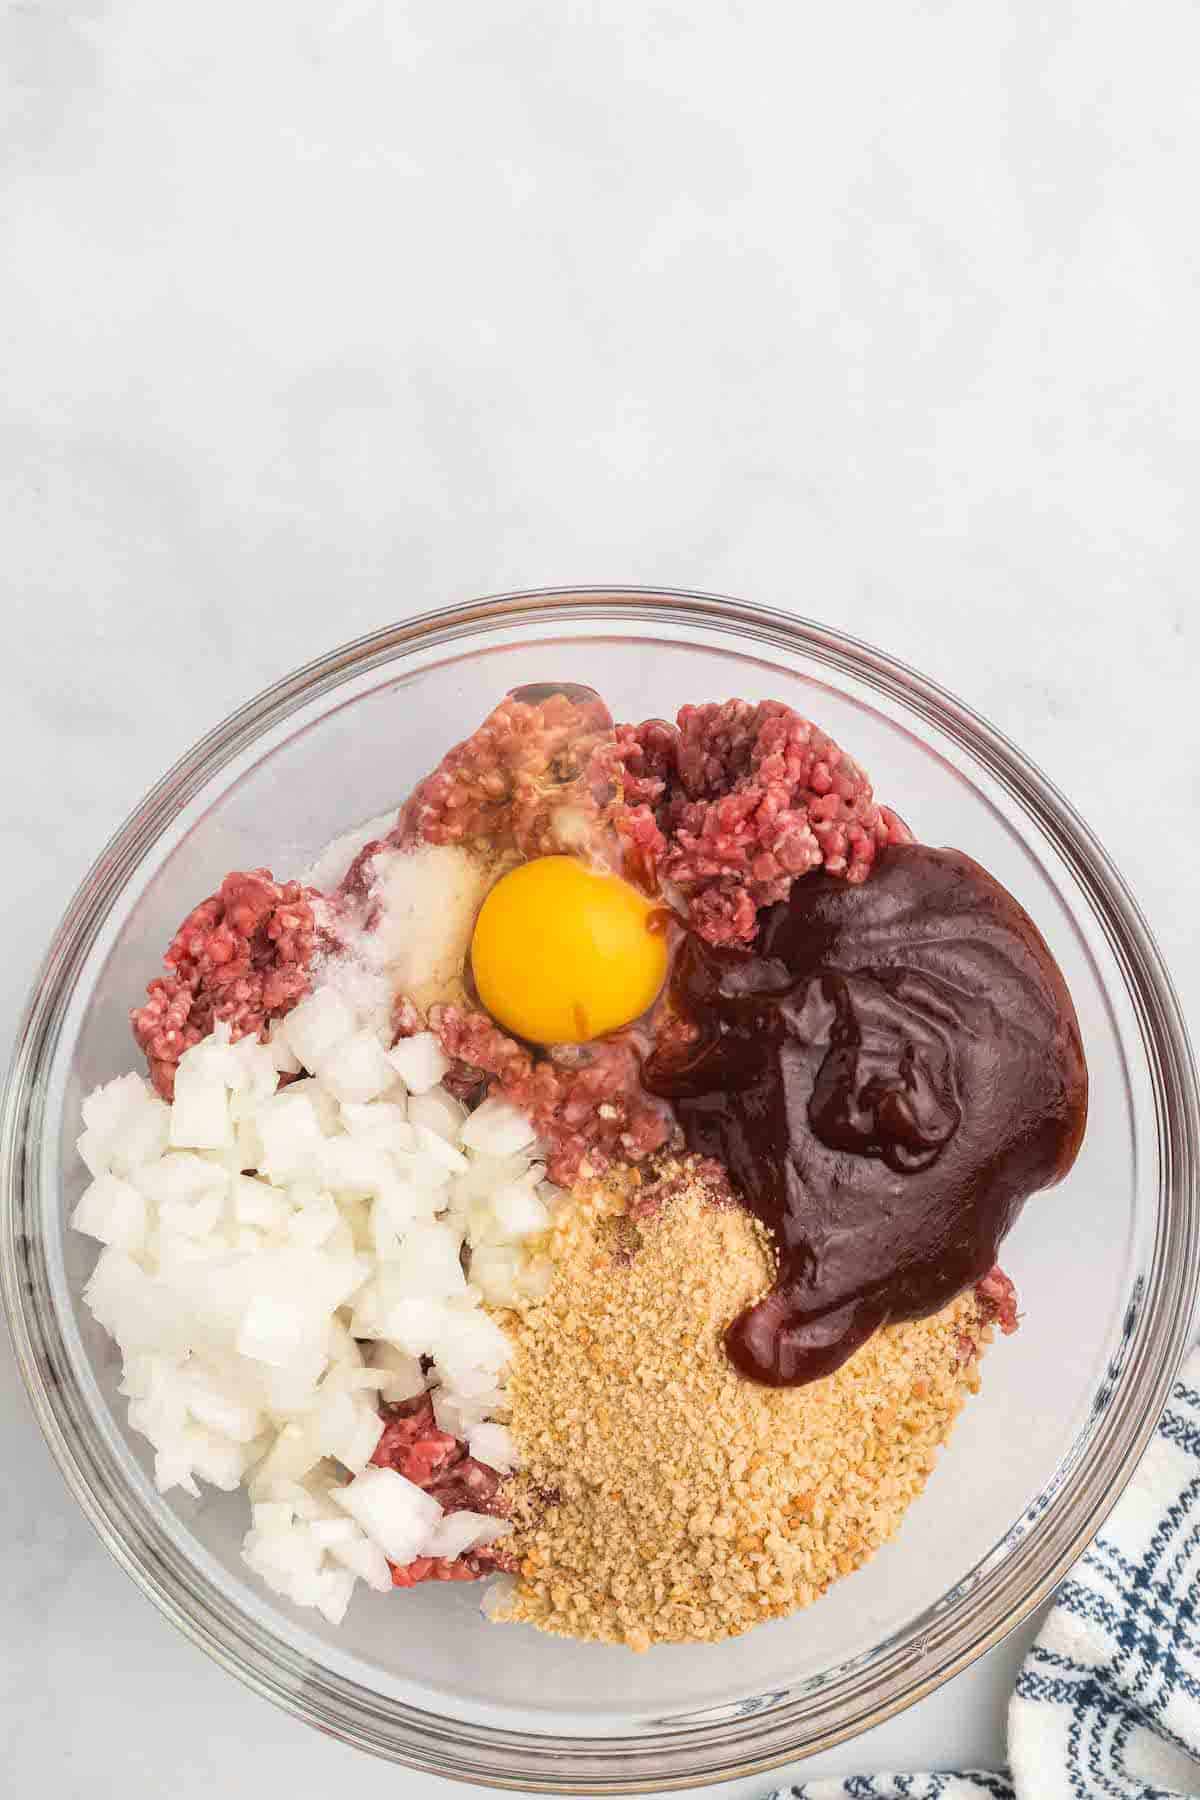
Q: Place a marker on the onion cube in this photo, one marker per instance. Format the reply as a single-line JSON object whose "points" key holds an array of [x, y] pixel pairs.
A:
{"points": [[250, 1074], [258, 1203], [321, 1101], [94, 1151], [419, 1061], [364, 1559], [422, 1169], [282, 1055], [456, 1533], [133, 1308], [315, 1027], [403, 1375], [270, 1516], [468, 1341], [459, 1415], [314, 1221], [428, 1267], [438, 1111], [327, 1532], [348, 1429], [141, 1137], [348, 1165], [431, 1145], [291, 1456], [333, 1597], [310, 1498], [113, 1211], [361, 1445], [536, 1277], [519, 1213], [210, 1405], [194, 1217], [200, 1112], [418, 1326], [180, 1177], [494, 1445], [381, 1123], [356, 1070], [107, 1105], [395, 1209], [272, 1331], [290, 1131], [495, 1271], [496, 1128], [393, 1512]]}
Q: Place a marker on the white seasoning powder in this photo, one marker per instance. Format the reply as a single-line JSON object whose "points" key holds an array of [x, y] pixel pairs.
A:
{"points": [[329, 866], [422, 906]]}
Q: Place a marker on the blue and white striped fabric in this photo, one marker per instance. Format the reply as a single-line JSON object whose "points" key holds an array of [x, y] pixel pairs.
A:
{"points": [[971, 1784], [1107, 1705]]}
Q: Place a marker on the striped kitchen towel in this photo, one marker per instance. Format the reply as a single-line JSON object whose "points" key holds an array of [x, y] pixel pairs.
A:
{"points": [[1107, 1704]]}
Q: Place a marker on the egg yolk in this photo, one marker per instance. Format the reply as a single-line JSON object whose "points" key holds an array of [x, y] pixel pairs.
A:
{"points": [[561, 954]]}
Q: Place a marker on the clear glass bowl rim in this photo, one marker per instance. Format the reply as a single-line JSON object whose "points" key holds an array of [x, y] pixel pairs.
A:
{"points": [[712, 1749]]}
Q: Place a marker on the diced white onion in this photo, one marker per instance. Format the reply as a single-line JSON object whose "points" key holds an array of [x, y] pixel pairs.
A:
{"points": [[419, 1061], [456, 1533], [394, 1513], [497, 1129], [272, 1331], [493, 1444], [315, 1027], [200, 1111], [113, 1211], [356, 1070], [438, 1111], [251, 1234]]}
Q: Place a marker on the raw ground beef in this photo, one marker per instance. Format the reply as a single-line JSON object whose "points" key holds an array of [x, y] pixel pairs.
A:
{"points": [[413, 1446], [725, 808], [734, 802], [997, 1298], [722, 810], [243, 956], [530, 778], [586, 1101]]}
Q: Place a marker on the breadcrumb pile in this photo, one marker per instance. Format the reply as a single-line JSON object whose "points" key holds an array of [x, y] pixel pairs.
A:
{"points": [[665, 1499]]}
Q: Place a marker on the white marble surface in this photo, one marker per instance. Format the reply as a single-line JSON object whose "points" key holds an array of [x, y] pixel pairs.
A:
{"points": [[321, 311]]}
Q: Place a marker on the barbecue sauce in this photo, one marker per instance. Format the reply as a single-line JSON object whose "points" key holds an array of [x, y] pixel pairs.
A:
{"points": [[887, 1075]]}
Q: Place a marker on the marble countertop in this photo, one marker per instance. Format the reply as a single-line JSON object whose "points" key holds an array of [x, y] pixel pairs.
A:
{"points": [[324, 312]]}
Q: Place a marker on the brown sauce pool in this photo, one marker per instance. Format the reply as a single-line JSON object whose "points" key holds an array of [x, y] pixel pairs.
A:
{"points": [[887, 1075]]}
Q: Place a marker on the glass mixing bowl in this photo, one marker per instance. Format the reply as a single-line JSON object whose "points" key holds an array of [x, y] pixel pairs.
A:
{"points": [[1106, 1265]]}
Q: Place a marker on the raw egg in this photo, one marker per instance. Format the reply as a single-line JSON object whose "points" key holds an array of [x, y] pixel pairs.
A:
{"points": [[562, 953]]}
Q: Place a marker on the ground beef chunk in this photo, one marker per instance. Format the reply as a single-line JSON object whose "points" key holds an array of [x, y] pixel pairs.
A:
{"points": [[412, 1445], [997, 1297], [736, 801], [586, 1101], [355, 885], [439, 1463], [533, 777], [243, 956], [471, 1567]]}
